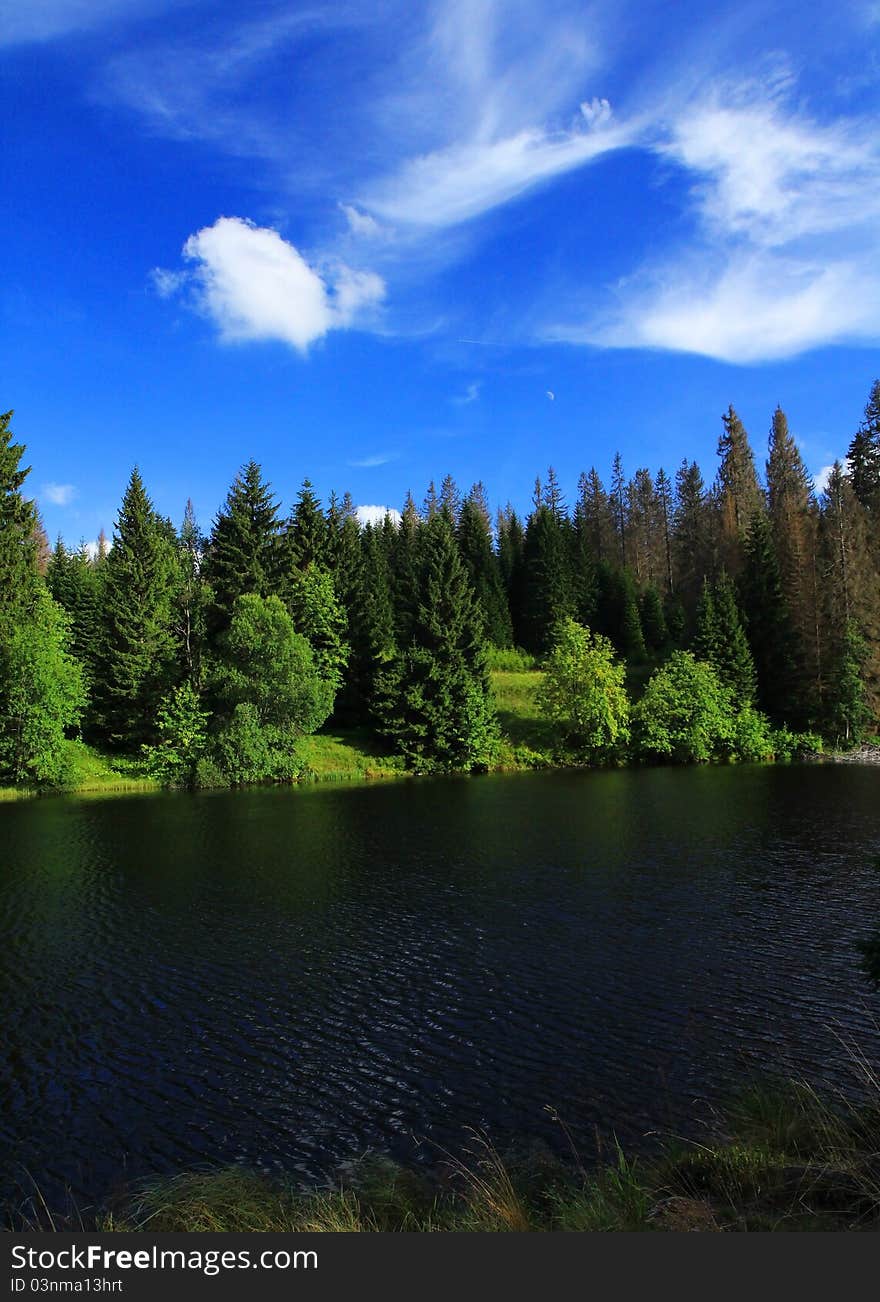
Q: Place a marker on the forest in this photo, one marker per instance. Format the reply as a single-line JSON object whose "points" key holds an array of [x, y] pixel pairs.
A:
{"points": [[675, 618]]}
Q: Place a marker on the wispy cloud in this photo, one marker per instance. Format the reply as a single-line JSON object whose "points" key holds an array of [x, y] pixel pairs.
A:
{"points": [[372, 462], [470, 395], [466, 180], [786, 252], [254, 285], [59, 494], [46, 20]]}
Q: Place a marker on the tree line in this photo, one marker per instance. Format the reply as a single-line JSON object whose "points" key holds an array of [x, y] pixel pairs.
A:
{"points": [[217, 653]]}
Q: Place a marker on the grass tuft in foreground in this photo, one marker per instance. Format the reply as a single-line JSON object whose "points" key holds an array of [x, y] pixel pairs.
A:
{"points": [[784, 1159]]}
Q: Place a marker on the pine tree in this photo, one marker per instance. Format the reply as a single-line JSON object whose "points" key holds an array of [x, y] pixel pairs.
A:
{"points": [[690, 550], [548, 589], [663, 490], [768, 623], [475, 545], [594, 508], [722, 642], [136, 665], [653, 620], [450, 499], [18, 523], [863, 458], [305, 539], [793, 520], [510, 542], [243, 553], [849, 583], [436, 705], [192, 598], [618, 506], [371, 630], [74, 581], [738, 492]]}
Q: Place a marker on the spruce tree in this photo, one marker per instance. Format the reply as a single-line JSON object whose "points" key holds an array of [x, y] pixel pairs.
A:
{"points": [[437, 709], [738, 492], [768, 623], [136, 665], [721, 641], [192, 599], [243, 553], [793, 520], [691, 561], [474, 539], [863, 458], [548, 586], [18, 524], [510, 537], [371, 630], [653, 620], [306, 539]]}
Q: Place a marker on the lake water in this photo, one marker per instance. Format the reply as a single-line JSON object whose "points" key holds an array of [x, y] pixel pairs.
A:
{"points": [[287, 978]]}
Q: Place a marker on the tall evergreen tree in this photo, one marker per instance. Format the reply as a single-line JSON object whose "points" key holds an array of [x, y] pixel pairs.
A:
{"points": [[243, 554], [721, 641], [738, 492], [437, 708], [863, 458], [793, 520], [768, 623], [371, 630], [18, 520], [192, 598], [305, 540], [595, 511], [136, 665], [475, 545], [691, 558], [548, 588]]}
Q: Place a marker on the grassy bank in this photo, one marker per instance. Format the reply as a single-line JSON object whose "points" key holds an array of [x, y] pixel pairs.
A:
{"points": [[782, 1160], [336, 755]]}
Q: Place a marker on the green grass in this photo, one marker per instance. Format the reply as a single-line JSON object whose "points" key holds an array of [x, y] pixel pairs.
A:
{"points": [[352, 754], [779, 1159], [528, 738], [88, 771]]}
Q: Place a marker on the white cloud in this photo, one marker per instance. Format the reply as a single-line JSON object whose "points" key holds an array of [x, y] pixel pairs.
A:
{"points": [[465, 180], [254, 285], [371, 463], [551, 395], [596, 112], [471, 394], [772, 176], [93, 548], [755, 308], [821, 477], [786, 256], [59, 494], [362, 224], [167, 283], [376, 514]]}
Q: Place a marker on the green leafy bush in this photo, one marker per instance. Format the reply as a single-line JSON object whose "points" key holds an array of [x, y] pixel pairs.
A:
{"points": [[584, 691]]}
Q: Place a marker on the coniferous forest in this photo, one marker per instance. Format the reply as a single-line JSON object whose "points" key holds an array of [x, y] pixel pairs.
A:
{"points": [[678, 616]]}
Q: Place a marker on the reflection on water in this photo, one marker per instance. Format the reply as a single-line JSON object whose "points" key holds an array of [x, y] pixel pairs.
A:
{"points": [[290, 977]]}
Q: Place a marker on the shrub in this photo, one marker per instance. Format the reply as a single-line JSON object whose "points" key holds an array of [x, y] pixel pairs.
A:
{"points": [[584, 691], [685, 713]]}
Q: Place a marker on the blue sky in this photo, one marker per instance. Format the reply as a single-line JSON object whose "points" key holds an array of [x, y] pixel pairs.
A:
{"points": [[375, 242]]}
